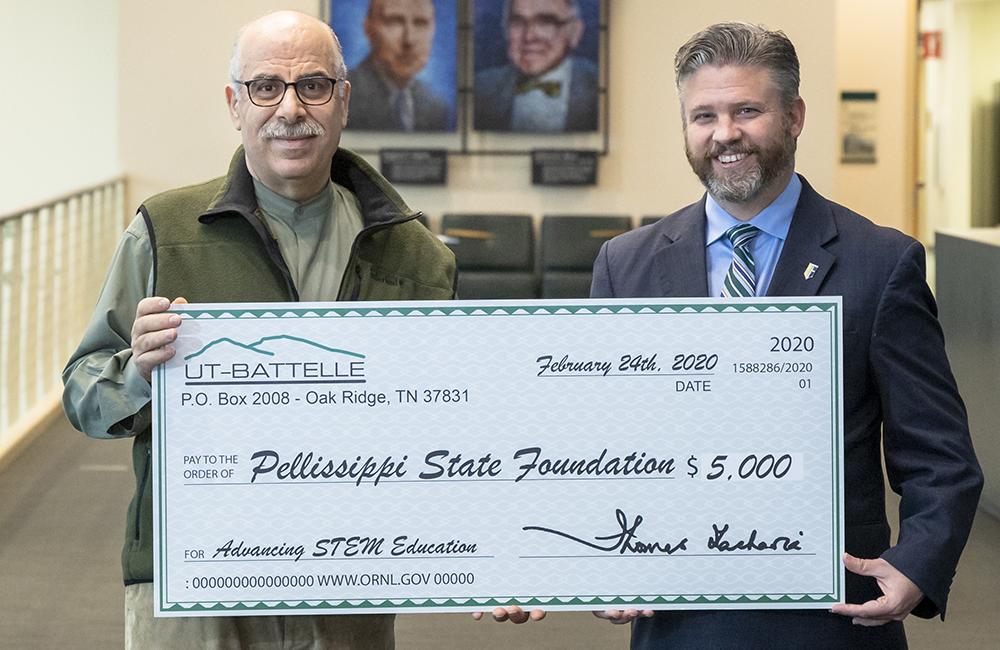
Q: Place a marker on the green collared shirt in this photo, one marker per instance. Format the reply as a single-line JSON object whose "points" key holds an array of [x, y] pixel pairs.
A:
{"points": [[108, 393]]}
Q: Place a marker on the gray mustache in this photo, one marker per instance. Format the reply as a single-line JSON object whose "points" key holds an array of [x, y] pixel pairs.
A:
{"points": [[280, 129]]}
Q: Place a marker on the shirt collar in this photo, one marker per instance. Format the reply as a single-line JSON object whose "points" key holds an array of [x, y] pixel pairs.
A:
{"points": [[291, 211], [560, 73], [774, 220]]}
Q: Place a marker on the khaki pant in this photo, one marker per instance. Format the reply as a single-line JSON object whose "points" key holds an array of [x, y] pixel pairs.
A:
{"points": [[341, 632]]}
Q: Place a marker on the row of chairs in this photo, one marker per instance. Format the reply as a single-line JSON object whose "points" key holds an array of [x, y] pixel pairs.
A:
{"points": [[496, 253]]}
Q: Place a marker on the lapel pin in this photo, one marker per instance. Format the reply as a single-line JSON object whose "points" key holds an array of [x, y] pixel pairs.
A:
{"points": [[810, 271]]}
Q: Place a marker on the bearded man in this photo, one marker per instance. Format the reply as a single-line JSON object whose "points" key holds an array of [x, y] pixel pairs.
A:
{"points": [[761, 230]]}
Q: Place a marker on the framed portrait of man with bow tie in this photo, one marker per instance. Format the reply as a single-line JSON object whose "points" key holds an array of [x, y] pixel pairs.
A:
{"points": [[536, 66], [401, 61]]}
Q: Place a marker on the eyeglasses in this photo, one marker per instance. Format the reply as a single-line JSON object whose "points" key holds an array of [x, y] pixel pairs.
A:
{"points": [[542, 24], [311, 91]]}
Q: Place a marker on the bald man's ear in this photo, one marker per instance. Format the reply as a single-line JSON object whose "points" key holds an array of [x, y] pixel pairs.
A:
{"points": [[231, 97], [345, 96]]}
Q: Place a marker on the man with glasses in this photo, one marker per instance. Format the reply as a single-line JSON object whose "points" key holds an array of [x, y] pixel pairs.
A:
{"points": [[295, 218], [543, 88], [387, 94]]}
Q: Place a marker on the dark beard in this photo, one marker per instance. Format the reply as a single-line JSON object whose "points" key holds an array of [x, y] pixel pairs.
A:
{"points": [[744, 187]]}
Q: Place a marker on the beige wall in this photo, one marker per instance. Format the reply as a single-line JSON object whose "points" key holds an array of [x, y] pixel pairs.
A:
{"points": [[875, 42], [173, 66], [60, 117], [184, 46], [978, 32], [145, 80]]}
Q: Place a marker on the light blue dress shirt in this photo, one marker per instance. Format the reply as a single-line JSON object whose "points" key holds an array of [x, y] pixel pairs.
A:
{"points": [[773, 221]]}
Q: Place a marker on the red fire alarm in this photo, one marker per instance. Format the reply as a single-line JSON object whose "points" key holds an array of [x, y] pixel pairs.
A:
{"points": [[930, 44]]}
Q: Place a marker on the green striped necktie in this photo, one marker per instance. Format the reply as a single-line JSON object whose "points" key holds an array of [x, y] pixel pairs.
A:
{"points": [[741, 281]]}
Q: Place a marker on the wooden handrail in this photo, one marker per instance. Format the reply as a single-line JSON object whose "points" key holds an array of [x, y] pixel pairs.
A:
{"points": [[51, 266], [62, 198]]}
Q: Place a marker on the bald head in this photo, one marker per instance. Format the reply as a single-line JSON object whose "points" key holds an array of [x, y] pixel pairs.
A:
{"points": [[287, 26], [289, 143]]}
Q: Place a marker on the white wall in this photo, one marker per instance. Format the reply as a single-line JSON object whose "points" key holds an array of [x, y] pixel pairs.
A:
{"points": [[984, 76], [961, 164], [60, 118], [939, 130], [185, 45]]}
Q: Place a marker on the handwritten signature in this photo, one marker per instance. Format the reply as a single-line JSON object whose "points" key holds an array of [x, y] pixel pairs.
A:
{"points": [[622, 541], [625, 540]]}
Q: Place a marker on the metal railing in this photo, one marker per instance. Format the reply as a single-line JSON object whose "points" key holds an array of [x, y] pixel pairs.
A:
{"points": [[53, 258]]}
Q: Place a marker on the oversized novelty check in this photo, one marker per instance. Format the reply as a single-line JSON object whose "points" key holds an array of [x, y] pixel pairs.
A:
{"points": [[412, 457]]}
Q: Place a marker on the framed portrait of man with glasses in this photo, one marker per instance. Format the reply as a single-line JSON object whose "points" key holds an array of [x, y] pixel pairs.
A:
{"points": [[401, 57], [536, 66]]}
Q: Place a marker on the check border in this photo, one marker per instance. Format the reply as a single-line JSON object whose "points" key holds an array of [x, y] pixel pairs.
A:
{"points": [[553, 601]]}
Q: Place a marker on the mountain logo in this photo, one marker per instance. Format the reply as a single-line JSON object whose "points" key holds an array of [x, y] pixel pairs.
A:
{"points": [[278, 359]]}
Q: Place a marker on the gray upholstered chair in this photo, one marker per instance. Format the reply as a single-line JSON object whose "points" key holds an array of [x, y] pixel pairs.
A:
{"points": [[569, 245], [495, 254]]}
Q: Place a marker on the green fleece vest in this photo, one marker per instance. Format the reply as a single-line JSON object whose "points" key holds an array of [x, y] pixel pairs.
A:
{"points": [[209, 255]]}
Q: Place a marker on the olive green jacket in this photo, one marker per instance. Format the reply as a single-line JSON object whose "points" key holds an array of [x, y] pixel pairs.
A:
{"points": [[210, 244]]}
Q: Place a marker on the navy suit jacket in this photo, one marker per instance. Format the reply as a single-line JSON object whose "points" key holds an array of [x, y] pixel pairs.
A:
{"points": [[495, 89], [370, 109], [899, 394]]}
